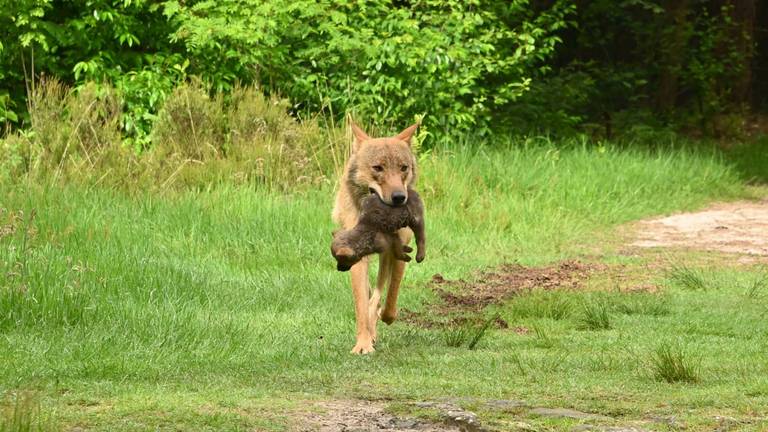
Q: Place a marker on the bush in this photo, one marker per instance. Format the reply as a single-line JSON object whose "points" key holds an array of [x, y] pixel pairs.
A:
{"points": [[457, 61]]}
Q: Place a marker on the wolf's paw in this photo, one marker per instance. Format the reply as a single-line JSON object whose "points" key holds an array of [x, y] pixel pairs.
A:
{"points": [[363, 347], [420, 255]]}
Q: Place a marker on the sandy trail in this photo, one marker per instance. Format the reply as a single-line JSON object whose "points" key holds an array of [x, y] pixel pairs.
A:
{"points": [[738, 227]]}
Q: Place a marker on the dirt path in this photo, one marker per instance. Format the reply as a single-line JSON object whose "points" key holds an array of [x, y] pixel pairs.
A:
{"points": [[369, 416], [739, 227]]}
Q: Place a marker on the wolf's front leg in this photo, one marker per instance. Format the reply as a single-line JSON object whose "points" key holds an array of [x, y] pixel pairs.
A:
{"points": [[359, 273]]}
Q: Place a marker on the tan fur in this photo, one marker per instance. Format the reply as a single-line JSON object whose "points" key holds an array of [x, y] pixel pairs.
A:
{"points": [[386, 166]]}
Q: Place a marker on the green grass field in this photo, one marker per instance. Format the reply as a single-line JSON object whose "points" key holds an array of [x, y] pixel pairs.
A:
{"points": [[222, 310]]}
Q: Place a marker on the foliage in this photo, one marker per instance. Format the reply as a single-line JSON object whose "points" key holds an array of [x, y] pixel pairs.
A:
{"points": [[683, 61], [81, 40], [457, 61], [597, 67]]}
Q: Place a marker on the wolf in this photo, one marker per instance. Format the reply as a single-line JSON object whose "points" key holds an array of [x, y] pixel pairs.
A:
{"points": [[386, 167], [375, 232]]}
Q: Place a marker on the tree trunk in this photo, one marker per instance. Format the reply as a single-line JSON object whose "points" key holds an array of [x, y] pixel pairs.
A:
{"points": [[743, 14], [674, 40]]}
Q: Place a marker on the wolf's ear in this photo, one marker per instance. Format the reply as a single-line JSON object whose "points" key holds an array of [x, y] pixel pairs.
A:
{"points": [[358, 135], [407, 134]]}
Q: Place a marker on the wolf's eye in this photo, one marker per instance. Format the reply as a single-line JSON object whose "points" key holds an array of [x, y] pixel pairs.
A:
{"points": [[378, 168], [404, 168]]}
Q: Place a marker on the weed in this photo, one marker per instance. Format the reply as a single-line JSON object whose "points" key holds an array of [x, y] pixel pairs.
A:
{"points": [[457, 335], [552, 305], [642, 304], [672, 364]]}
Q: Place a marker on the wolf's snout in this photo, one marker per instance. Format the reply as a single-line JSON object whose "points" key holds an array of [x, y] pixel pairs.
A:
{"points": [[398, 198]]}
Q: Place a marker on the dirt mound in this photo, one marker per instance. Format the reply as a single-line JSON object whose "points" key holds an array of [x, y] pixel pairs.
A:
{"points": [[739, 227], [462, 299]]}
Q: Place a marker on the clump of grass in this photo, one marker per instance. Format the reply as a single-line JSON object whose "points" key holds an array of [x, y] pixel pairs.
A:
{"points": [[456, 336], [642, 304], [192, 123], [480, 332], [542, 337], [687, 277], [552, 305], [199, 138], [756, 287], [595, 316], [74, 132], [670, 363]]}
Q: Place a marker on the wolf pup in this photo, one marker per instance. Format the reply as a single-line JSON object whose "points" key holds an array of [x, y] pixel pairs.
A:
{"points": [[375, 232], [386, 167]]}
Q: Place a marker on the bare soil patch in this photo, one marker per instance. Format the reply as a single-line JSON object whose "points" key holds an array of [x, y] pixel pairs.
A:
{"points": [[362, 415], [461, 300], [738, 227], [725, 229]]}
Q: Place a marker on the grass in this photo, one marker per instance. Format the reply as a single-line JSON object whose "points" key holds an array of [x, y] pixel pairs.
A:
{"points": [[687, 277], [672, 364], [220, 309], [758, 285], [595, 316], [554, 305], [457, 335], [642, 304]]}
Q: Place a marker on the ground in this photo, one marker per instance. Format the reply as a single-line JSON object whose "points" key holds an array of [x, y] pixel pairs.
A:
{"points": [[736, 230], [738, 227], [221, 309]]}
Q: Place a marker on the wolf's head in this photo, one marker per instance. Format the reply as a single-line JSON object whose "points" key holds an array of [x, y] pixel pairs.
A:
{"points": [[385, 166]]}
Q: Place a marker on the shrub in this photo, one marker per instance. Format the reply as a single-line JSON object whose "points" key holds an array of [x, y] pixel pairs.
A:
{"points": [[458, 61]]}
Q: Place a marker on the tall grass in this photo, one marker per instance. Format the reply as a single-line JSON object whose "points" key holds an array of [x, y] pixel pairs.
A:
{"points": [[198, 139]]}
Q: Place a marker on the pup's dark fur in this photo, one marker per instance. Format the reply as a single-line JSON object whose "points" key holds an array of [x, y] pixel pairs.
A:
{"points": [[375, 232]]}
